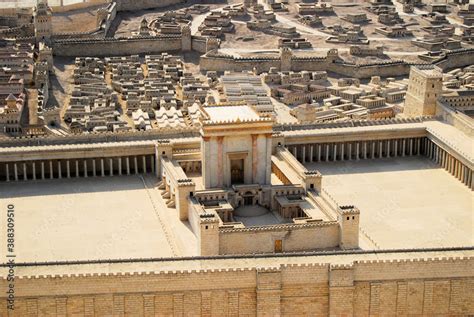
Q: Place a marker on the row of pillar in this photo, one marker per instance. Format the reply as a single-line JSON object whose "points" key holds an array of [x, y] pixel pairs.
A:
{"points": [[450, 163], [51, 169], [341, 151]]}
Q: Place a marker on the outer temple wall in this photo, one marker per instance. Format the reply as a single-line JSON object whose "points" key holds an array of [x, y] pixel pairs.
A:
{"points": [[412, 287], [294, 238]]}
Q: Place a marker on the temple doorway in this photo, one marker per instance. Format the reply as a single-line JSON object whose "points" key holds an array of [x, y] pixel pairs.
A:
{"points": [[237, 171], [278, 246]]}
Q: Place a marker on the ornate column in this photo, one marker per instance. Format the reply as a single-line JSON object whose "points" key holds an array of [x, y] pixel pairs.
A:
{"points": [[144, 164], [411, 147], [25, 177], [42, 169], [335, 152], [311, 153], [373, 149], [135, 164], [342, 151], [395, 152], [404, 142], [349, 151], [365, 150], [388, 148], [318, 158], [85, 167], [380, 148], [15, 171], [127, 164], [357, 151], [327, 152], [34, 170], [7, 172], [60, 174]]}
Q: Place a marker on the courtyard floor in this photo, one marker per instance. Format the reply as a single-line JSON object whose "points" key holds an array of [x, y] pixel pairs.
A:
{"points": [[404, 202], [93, 218]]}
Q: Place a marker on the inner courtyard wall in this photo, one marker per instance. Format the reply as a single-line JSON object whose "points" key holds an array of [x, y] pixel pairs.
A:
{"points": [[293, 237]]}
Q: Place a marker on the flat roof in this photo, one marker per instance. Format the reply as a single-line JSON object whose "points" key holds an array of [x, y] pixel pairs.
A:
{"points": [[232, 113]]}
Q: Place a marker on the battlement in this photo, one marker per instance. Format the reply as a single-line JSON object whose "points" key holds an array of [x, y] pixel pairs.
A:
{"points": [[348, 210], [249, 263], [280, 227]]}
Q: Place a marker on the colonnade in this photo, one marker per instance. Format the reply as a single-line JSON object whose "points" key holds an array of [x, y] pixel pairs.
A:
{"points": [[450, 163], [357, 150], [373, 149], [68, 168]]}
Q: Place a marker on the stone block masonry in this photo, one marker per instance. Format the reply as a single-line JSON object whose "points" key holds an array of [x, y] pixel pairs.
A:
{"points": [[400, 283], [113, 47]]}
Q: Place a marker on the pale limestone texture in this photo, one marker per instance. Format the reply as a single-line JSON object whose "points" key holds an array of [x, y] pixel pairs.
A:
{"points": [[89, 218], [407, 202]]}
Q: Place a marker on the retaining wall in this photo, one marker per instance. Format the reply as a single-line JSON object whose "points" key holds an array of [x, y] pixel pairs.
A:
{"points": [[247, 287]]}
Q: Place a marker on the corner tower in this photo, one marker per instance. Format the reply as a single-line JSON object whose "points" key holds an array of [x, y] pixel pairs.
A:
{"points": [[424, 88]]}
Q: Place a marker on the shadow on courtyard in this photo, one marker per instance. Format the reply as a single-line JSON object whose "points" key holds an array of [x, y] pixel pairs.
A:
{"points": [[73, 186], [379, 165]]}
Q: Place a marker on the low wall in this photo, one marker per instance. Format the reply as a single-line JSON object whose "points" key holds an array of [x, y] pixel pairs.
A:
{"points": [[455, 118], [456, 58], [413, 284], [294, 238], [199, 44], [113, 47]]}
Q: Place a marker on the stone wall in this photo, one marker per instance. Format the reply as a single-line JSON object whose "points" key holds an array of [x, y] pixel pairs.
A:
{"points": [[313, 287], [113, 47], [220, 62], [456, 58], [294, 238], [131, 5]]}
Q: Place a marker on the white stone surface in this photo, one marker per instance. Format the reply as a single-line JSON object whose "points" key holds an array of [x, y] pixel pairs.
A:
{"points": [[405, 202], [224, 113], [93, 218]]}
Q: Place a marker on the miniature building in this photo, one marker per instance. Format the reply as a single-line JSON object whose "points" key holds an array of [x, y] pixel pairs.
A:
{"points": [[423, 91], [42, 15]]}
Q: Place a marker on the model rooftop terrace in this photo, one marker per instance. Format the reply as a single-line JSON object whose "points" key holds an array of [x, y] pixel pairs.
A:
{"points": [[231, 113]]}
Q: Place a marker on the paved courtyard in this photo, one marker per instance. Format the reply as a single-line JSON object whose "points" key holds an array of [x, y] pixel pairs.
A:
{"points": [[94, 218], [404, 202]]}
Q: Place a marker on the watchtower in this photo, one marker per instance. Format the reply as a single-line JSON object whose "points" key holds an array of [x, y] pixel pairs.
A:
{"points": [[42, 16], [424, 88]]}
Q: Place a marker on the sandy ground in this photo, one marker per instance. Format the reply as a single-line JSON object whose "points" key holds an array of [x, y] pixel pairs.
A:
{"points": [[94, 218], [404, 202]]}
